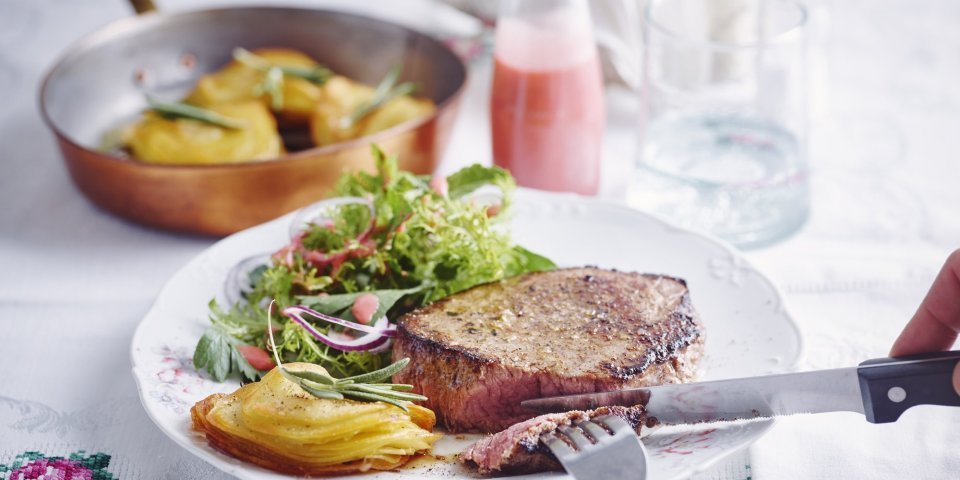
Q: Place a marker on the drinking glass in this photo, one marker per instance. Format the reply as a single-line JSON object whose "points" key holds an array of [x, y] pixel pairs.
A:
{"points": [[722, 144], [546, 106]]}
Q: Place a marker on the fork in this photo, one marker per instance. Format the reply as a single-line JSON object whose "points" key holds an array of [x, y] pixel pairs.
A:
{"points": [[604, 448]]}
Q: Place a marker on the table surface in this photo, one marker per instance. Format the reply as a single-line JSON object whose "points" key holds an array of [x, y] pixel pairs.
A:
{"points": [[75, 281]]}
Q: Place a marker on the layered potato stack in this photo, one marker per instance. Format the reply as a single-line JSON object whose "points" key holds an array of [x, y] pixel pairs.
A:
{"points": [[275, 424]]}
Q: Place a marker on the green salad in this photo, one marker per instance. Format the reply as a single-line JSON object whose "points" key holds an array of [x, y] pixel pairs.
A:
{"points": [[391, 242]]}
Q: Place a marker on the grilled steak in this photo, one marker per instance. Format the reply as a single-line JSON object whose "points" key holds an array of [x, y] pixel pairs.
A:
{"points": [[518, 449], [479, 353]]}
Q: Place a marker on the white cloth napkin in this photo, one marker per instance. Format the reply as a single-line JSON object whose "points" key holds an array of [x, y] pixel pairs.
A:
{"points": [[849, 312], [922, 445]]}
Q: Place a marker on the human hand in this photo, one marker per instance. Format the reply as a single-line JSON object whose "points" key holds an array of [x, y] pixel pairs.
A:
{"points": [[937, 322]]}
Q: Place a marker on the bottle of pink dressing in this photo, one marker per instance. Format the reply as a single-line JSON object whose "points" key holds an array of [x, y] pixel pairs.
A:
{"points": [[547, 106]]}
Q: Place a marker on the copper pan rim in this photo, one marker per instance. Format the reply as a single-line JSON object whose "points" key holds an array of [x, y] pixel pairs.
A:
{"points": [[110, 31]]}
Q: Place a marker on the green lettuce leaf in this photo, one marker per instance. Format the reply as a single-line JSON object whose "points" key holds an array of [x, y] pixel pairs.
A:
{"points": [[217, 353], [469, 179], [339, 305]]}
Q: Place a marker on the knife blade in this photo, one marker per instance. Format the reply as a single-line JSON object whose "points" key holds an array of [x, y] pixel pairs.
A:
{"points": [[880, 389]]}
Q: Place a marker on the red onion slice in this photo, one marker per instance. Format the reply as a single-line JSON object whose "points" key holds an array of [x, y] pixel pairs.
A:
{"points": [[238, 283], [376, 337], [296, 313], [369, 342], [384, 324]]}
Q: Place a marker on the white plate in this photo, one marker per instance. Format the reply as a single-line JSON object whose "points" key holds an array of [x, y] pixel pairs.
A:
{"points": [[748, 331]]}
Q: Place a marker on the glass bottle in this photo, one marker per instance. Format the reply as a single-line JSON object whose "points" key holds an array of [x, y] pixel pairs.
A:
{"points": [[547, 105]]}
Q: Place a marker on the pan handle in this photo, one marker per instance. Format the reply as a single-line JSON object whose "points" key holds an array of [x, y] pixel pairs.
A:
{"points": [[143, 6]]}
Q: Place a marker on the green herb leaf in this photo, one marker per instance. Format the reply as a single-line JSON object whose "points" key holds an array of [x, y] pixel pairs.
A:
{"points": [[528, 261], [339, 305], [392, 386], [318, 75], [272, 85], [469, 179], [413, 397], [325, 386], [380, 375], [346, 223], [190, 112], [328, 394], [312, 376], [217, 354], [241, 365], [385, 92], [372, 397]]}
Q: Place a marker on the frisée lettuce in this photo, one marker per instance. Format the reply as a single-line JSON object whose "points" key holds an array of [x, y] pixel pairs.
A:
{"points": [[407, 239]]}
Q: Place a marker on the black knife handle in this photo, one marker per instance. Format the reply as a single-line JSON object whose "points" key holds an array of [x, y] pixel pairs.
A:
{"points": [[890, 386]]}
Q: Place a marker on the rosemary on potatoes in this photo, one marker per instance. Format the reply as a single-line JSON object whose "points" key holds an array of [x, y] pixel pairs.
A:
{"points": [[192, 112], [385, 92], [318, 74], [369, 387]]}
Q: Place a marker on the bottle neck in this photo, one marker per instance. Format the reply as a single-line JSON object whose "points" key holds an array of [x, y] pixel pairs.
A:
{"points": [[562, 14], [544, 34]]}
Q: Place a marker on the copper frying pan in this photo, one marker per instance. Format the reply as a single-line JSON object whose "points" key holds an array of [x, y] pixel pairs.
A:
{"points": [[101, 82]]}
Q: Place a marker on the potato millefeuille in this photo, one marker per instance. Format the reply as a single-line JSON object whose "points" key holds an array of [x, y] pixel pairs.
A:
{"points": [[276, 424]]}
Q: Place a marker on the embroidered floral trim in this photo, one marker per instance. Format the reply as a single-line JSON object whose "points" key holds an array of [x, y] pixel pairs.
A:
{"points": [[77, 466]]}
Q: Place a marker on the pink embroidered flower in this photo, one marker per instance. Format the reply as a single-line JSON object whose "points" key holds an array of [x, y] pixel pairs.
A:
{"points": [[78, 466]]}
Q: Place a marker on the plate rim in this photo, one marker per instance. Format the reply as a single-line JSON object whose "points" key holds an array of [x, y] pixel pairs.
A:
{"points": [[237, 470]]}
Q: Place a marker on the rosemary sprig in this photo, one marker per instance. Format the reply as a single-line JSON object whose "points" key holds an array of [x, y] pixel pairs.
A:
{"points": [[318, 75], [273, 86], [365, 388], [385, 92], [190, 112]]}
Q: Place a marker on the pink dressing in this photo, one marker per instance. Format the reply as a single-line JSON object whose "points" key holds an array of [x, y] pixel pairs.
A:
{"points": [[439, 184], [547, 106], [364, 307]]}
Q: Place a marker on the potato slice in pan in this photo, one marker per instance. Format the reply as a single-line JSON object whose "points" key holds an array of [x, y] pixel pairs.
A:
{"points": [[237, 82], [341, 97], [393, 113], [157, 139]]}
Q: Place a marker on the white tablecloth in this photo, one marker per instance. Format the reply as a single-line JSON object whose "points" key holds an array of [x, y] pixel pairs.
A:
{"points": [[885, 111]]}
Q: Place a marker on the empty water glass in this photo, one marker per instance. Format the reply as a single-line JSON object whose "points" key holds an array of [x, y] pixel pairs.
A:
{"points": [[723, 125]]}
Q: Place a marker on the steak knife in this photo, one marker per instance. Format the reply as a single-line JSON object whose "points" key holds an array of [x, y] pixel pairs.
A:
{"points": [[880, 389]]}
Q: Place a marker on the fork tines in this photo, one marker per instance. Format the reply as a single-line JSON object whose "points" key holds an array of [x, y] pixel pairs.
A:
{"points": [[605, 447]]}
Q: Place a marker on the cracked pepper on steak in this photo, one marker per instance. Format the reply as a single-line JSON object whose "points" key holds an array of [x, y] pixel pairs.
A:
{"points": [[477, 354]]}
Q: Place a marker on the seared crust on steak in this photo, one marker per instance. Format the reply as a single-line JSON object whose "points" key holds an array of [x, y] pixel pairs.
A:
{"points": [[518, 449], [477, 354]]}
